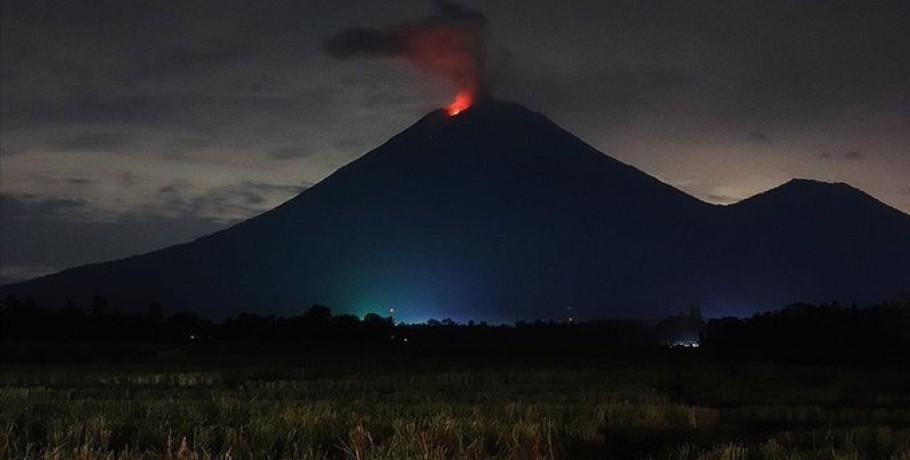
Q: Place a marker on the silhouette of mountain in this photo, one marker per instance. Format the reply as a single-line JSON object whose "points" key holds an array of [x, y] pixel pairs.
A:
{"points": [[499, 214], [815, 241]]}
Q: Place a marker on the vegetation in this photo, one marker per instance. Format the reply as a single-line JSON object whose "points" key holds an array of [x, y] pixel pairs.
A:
{"points": [[798, 333], [249, 387], [351, 406]]}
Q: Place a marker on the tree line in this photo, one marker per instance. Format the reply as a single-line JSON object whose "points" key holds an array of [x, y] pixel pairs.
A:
{"points": [[797, 332]]}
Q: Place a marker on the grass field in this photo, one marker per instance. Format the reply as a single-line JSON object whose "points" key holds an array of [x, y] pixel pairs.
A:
{"points": [[370, 406]]}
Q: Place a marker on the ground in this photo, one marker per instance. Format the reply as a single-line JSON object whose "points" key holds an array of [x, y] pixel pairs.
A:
{"points": [[371, 405]]}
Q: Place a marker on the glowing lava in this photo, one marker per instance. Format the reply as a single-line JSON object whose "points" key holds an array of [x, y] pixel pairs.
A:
{"points": [[463, 100]]}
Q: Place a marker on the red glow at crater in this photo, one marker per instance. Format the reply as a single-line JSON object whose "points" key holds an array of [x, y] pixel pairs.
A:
{"points": [[462, 102]]}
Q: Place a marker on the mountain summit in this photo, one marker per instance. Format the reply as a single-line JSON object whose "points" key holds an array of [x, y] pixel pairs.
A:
{"points": [[498, 214]]}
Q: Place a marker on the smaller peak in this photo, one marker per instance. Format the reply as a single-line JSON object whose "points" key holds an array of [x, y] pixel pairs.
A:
{"points": [[800, 185], [810, 193], [802, 182], [799, 181]]}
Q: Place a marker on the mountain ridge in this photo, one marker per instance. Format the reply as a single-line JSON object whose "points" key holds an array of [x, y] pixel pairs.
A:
{"points": [[499, 214]]}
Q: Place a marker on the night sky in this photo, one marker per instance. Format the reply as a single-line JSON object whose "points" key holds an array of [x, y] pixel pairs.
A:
{"points": [[129, 126]]}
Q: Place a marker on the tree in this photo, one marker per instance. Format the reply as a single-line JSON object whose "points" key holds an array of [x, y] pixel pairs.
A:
{"points": [[318, 314], [99, 305], [695, 315], [155, 312]]}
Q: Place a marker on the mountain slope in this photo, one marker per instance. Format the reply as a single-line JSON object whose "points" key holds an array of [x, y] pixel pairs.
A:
{"points": [[498, 214], [814, 241]]}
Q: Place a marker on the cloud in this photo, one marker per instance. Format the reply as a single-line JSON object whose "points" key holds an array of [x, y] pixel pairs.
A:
{"points": [[194, 142], [598, 92], [290, 153], [227, 203], [8, 150], [276, 188], [852, 155], [29, 206], [97, 142], [32, 243], [450, 44], [758, 137], [216, 89]]}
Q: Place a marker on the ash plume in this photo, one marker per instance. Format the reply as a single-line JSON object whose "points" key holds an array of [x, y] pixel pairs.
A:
{"points": [[450, 44]]}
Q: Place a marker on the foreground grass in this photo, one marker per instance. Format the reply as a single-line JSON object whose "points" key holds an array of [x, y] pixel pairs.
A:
{"points": [[373, 407]]}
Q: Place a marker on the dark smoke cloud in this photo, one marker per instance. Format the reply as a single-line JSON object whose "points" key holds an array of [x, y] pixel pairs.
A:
{"points": [[450, 44]]}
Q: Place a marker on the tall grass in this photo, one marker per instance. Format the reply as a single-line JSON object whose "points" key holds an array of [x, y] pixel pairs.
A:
{"points": [[306, 410]]}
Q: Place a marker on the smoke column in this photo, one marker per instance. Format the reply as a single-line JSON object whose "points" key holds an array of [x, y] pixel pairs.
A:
{"points": [[449, 44]]}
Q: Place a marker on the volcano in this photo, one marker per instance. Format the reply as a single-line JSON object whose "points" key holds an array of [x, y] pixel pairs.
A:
{"points": [[498, 214]]}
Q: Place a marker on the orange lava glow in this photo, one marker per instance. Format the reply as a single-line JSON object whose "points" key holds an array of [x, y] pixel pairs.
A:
{"points": [[463, 100]]}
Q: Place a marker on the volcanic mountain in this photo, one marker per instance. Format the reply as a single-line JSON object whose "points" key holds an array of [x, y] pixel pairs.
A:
{"points": [[498, 214]]}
